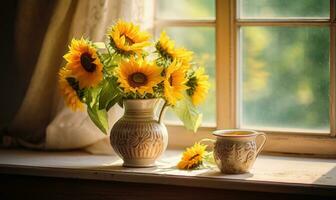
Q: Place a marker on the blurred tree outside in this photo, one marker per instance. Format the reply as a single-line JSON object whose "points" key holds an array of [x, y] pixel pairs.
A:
{"points": [[285, 70]]}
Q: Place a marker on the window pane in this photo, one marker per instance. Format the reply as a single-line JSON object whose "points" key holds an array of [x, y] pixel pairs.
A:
{"points": [[185, 9], [200, 40], [263, 9], [284, 78]]}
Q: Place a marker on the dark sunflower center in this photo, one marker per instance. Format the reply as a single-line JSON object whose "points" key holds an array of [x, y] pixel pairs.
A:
{"points": [[192, 84], [128, 40], [163, 52], [170, 80], [74, 84], [87, 62], [137, 79], [194, 156]]}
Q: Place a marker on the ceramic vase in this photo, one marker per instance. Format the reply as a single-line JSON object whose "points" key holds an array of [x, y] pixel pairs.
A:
{"points": [[139, 137]]}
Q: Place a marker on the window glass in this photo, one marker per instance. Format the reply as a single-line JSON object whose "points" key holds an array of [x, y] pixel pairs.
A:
{"points": [[185, 9], [284, 77], [275, 9]]}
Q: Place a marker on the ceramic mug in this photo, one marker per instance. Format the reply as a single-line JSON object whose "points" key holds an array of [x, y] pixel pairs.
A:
{"points": [[236, 150]]}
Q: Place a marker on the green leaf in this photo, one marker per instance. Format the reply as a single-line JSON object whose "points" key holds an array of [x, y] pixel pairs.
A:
{"points": [[115, 100], [209, 158], [120, 102], [109, 94], [110, 48], [104, 56], [98, 117], [91, 96], [188, 113], [110, 62]]}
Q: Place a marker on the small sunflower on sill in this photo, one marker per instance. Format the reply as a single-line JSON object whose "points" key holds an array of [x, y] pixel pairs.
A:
{"points": [[99, 75], [195, 157]]}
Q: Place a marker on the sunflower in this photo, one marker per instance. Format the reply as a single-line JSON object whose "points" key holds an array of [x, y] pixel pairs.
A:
{"points": [[193, 157], [166, 48], [174, 83], [127, 39], [84, 64], [70, 89], [198, 86], [138, 76]]}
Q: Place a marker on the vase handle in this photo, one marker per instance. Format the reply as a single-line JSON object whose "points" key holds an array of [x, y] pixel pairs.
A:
{"points": [[162, 112]]}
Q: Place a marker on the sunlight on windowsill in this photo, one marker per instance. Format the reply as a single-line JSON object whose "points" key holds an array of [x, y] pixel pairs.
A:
{"points": [[268, 170]]}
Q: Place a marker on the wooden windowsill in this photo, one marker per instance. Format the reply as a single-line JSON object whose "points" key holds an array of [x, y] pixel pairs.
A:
{"points": [[270, 173]]}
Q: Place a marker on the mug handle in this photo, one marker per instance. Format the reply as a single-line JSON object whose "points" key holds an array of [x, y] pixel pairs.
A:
{"points": [[262, 143]]}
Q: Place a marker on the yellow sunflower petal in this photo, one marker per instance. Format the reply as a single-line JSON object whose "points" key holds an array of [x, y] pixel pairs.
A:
{"points": [[166, 47], [202, 87], [127, 39], [70, 95], [83, 63], [174, 83], [192, 157], [138, 76]]}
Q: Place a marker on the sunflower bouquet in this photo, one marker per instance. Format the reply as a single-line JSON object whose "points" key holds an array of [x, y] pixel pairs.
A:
{"points": [[100, 75]]}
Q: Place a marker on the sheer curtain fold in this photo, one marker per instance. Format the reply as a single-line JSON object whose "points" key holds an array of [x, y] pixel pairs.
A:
{"points": [[42, 120], [34, 114]]}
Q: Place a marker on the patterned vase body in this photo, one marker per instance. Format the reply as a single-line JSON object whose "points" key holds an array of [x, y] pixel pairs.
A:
{"points": [[138, 137]]}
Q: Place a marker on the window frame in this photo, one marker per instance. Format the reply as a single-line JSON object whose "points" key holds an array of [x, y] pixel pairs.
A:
{"points": [[227, 24]]}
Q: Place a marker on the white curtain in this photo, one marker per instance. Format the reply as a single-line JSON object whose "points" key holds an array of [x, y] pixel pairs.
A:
{"points": [[67, 129]]}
